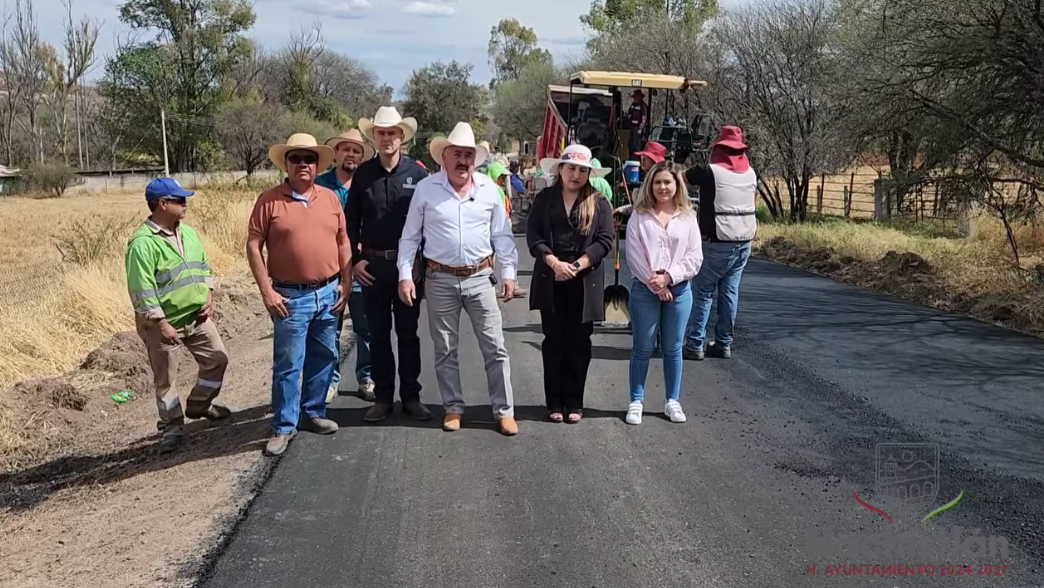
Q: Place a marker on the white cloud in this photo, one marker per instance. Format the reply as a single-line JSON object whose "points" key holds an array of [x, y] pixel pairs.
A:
{"points": [[429, 9], [340, 8]]}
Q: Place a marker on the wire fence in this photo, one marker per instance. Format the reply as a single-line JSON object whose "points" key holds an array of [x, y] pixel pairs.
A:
{"points": [[856, 195], [23, 284]]}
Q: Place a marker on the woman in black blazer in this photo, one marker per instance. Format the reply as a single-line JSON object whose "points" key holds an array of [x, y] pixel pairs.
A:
{"points": [[569, 232]]}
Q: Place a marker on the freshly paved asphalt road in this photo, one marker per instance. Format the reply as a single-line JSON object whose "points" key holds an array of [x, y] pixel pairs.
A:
{"points": [[743, 495]]}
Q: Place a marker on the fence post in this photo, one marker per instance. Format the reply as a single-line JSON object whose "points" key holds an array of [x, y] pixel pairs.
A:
{"points": [[847, 201], [819, 194], [851, 196], [882, 206], [967, 215]]}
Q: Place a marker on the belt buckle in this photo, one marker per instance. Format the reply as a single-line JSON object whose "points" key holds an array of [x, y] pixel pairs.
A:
{"points": [[391, 255]]}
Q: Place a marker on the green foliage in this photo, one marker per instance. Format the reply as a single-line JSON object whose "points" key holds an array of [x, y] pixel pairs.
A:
{"points": [[512, 49], [609, 16], [179, 72], [519, 105], [303, 122], [247, 128], [441, 94], [52, 178]]}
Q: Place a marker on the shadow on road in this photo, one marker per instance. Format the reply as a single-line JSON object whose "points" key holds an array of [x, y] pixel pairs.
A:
{"points": [[600, 351], [895, 336], [475, 416], [245, 431]]}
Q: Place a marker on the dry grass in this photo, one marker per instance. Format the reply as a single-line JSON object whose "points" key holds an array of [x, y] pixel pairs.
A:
{"points": [[57, 311], [976, 275]]}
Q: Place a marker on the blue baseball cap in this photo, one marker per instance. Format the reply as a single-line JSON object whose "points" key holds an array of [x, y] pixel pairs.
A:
{"points": [[165, 188]]}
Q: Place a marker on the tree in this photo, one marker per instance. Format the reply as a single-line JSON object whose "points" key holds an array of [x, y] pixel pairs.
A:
{"points": [[196, 44], [52, 178], [779, 67], [518, 105], [308, 76], [965, 76], [512, 49], [441, 94], [607, 17], [248, 127], [66, 73], [303, 122], [22, 58]]}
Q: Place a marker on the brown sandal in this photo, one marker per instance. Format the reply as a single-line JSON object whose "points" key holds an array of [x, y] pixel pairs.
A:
{"points": [[555, 416]]}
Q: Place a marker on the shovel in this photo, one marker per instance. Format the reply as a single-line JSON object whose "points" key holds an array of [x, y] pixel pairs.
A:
{"points": [[617, 296]]}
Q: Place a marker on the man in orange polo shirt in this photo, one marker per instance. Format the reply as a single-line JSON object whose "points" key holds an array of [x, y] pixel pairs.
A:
{"points": [[304, 285]]}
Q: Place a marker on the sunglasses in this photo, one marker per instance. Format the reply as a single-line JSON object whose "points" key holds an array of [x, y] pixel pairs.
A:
{"points": [[178, 201], [306, 158]]}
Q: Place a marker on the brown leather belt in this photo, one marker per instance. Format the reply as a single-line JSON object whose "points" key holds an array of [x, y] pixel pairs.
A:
{"points": [[461, 272], [389, 255]]}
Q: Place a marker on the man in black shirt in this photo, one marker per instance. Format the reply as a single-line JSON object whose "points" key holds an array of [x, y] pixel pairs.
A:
{"points": [[378, 201]]}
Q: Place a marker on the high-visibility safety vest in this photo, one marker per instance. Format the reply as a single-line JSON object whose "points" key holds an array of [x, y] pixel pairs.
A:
{"points": [[159, 277]]}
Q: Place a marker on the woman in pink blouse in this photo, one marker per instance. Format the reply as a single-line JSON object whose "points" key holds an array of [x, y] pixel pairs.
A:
{"points": [[664, 250]]}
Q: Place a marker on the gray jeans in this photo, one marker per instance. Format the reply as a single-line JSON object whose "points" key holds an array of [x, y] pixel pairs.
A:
{"points": [[446, 295]]}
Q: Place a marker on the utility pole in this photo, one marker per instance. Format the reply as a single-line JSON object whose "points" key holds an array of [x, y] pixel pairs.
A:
{"points": [[163, 127]]}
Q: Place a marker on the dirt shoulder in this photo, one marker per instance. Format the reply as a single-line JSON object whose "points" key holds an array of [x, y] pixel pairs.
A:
{"points": [[88, 502], [909, 276]]}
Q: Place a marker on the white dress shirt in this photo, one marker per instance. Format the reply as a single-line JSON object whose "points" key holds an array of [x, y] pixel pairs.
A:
{"points": [[457, 230]]}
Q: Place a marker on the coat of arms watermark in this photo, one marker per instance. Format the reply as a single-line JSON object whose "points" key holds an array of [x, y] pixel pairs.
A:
{"points": [[906, 495], [906, 475]]}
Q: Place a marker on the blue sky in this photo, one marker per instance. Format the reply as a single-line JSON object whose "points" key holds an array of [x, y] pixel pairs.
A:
{"points": [[393, 37]]}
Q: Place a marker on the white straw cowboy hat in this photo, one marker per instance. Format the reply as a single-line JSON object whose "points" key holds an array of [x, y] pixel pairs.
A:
{"points": [[462, 136], [352, 136], [577, 155], [387, 117], [303, 142]]}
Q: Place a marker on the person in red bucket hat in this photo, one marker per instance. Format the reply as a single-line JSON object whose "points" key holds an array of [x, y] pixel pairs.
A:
{"points": [[652, 154], [728, 197], [729, 150]]}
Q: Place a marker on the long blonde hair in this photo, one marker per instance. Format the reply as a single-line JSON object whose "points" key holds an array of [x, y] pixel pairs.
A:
{"points": [[588, 204], [645, 200]]}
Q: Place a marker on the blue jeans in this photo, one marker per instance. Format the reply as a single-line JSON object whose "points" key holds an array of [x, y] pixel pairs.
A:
{"points": [[304, 355], [361, 328], [721, 271], [649, 314]]}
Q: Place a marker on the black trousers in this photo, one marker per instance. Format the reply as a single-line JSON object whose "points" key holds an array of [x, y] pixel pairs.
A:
{"points": [[382, 305], [567, 348]]}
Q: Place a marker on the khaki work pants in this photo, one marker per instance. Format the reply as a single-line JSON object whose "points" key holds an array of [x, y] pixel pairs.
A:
{"points": [[204, 343]]}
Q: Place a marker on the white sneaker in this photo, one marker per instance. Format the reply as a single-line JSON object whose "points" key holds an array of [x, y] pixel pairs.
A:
{"points": [[331, 393], [673, 410], [634, 413]]}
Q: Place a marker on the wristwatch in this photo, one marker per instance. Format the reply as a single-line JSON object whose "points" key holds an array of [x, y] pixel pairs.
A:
{"points": [[576, 264]]}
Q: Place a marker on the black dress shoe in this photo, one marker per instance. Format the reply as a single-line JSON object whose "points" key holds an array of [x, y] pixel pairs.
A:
{"points": [[416, 410], [378, 412]]}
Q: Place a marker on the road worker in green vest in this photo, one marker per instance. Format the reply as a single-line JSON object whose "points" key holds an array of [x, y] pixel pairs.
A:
{"points": [[171, 290]]}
